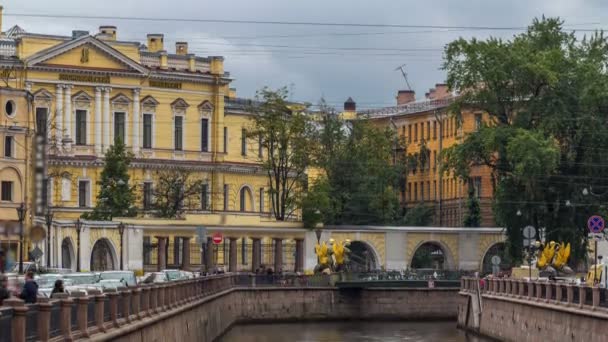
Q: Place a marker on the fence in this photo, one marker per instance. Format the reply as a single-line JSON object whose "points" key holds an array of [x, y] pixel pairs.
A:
{"points": [[559, 293]]}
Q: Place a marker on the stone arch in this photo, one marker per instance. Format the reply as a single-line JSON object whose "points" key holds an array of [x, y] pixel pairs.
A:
{"points": [[13, 174], [497, 248], [363, 256], [246, 199], [68, 254], [103, 256], [449, 262]]}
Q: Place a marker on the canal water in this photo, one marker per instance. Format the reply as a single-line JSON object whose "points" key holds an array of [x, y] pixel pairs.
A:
{"points": [[355, 331]]}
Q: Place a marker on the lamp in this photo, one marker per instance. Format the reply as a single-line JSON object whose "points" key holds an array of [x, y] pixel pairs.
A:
{"points": [[21, 210], [49, 221], [121, 231], [78, 231]]}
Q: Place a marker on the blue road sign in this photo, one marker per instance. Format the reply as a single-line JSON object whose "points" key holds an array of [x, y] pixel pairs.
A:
{"points": [[596, 224]]}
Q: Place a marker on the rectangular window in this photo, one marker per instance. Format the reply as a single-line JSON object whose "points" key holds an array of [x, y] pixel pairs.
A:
{"points": [[7, 191], [428, 189], [422, 191], [415, 191], [435, 130], [8, 146], [475, 184], [434, 160], [261, 200], [41, 120], [435, 189], [147, 143], [119, 127], [477, 122], [244, 251], [244, 142], [83, 194], [81, 127], [225, 197], [260, 146], [409, 133], [415, 132], [428, 130], [204, 135], [147, 250], [226, 140], [178, 133], [205, 197], [147, 195]]}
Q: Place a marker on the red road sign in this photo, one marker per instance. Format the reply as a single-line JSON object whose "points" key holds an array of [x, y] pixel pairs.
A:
{"points": [[596, 224], [217, 238]]}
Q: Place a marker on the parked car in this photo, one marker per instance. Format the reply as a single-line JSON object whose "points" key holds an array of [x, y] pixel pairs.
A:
{"points": [[187, 275], [81, 282], [46, 282], [127, 278], [110, 284], [154, 278], [173, 274]]}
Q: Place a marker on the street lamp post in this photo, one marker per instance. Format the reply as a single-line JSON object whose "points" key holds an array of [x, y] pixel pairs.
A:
{"points": [[21, 210], [121, 231], [78, 231], [49, 221]]}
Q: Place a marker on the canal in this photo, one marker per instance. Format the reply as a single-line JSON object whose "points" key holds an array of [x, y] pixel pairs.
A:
{"points": [[354, 331]]}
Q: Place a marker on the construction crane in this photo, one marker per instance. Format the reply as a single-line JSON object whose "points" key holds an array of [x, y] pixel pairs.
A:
{"points": [[409, 87]]}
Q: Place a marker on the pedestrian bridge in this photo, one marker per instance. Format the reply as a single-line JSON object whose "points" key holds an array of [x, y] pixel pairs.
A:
{"points": [[400, 248]]}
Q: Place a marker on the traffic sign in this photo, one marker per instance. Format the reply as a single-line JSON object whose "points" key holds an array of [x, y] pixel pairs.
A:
{"points": [[496, 260], [201, 233], [529, 232], [596, 224], [217, 238]]}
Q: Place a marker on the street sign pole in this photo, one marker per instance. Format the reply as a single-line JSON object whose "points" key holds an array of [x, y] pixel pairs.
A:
{"points": [[596, 225]]}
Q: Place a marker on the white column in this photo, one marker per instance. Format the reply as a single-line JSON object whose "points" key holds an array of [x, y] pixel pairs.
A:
{"points": [[59, 113], [135, 143], [98, 120], [106, 118], [69, 134]]}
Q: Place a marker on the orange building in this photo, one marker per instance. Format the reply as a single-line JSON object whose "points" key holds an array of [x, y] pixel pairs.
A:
{"points": [[427, 128]]}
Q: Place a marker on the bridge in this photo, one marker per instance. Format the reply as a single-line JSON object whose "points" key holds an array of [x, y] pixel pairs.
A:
{"points": [[399, 248]]}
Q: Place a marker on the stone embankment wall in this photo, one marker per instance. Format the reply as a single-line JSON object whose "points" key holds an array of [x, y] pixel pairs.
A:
{"points": [[209, 318], [515, 310]]}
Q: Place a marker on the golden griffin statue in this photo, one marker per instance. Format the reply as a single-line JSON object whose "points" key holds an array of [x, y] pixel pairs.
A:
{"points": [[553, 258], [332, 257]]}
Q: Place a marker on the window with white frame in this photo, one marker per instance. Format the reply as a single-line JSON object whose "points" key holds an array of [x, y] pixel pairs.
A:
{"points": [[83, 193], [7, 191], [81, 127], [147, 131], [9, 142], [178, 131]]}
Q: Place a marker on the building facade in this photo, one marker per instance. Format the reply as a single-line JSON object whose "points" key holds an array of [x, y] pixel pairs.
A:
{"points": [[426, 127], [75, 95]]}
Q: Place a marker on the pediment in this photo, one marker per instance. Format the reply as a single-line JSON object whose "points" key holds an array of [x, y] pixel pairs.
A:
{"points": [[205, 106], [43, 95], [149, 101], [86, 52], [179, 104], [82, 96], [120, 99]]}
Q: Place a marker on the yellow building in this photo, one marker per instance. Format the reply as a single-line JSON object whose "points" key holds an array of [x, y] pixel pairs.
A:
{"points": [[427, 128], [173, 110]]}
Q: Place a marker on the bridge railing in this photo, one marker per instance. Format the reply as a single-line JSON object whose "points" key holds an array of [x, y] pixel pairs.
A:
{"points": [[544, 291]]}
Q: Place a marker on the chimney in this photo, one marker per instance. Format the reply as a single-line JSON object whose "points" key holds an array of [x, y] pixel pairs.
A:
{"points": [[156, 42], [77, 34], [181, 48], [405, 97], [350, 105], [107, 33], [431, 94], [442, 91]]}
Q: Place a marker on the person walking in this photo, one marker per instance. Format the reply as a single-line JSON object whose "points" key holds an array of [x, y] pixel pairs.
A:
{"points": [[4, 292], [30, 289], [58, 288]]}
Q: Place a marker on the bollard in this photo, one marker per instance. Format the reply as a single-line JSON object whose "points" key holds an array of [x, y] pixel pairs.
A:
{"points": [[44, 319], [18, 321], [66, 318], [570, 294], [596, 297], [113, 298], [100, 301], [82, 304]]}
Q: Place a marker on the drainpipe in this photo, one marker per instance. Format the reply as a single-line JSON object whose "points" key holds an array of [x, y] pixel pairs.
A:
{"points": [[440, 201]]}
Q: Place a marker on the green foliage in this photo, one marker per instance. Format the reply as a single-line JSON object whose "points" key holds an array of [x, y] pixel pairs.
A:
{"points": [[546, 94], [473, 218], [419, 216], [363, 169], [316, 202], [285, 134], [175, 191], [116, 197]]}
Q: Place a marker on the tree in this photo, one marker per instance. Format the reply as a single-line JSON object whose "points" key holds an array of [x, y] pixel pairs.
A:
{"points": [[545, 93], [316, 203], [419, 216], [116, 196], [473, 218], [176, 191], [364, 166], [284, 134]]}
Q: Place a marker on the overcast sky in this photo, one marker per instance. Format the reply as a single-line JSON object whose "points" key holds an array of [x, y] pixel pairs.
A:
{"points": [[314, 61]]}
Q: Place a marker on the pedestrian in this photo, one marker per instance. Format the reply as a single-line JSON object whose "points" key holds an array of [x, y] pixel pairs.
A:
{"points": [[30, 289], [58, 288], [4, 292]]}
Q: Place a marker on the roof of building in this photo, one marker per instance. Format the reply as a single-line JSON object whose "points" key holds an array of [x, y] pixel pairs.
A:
{"points": [[410, 108]]}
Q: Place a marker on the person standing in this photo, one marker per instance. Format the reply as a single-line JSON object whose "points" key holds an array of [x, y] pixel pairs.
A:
{"points": [[58, 288], [4, 293], [30, 289]]}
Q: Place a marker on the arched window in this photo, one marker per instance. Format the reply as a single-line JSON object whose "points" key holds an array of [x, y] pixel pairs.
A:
{"points": [[245, 199]]}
